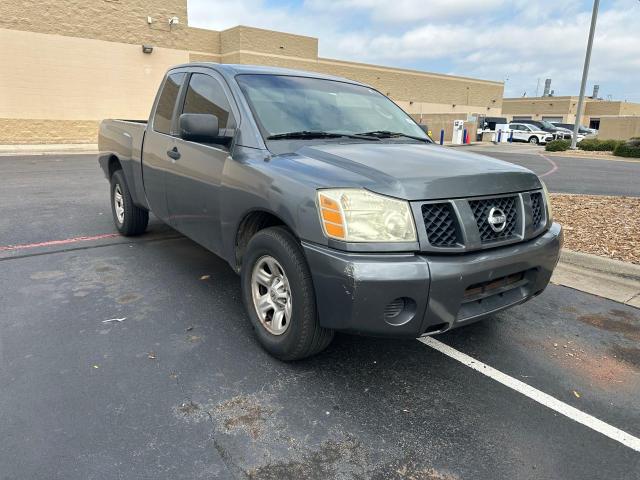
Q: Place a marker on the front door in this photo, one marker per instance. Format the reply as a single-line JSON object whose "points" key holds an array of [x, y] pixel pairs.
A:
{"points": [[193, 184]]}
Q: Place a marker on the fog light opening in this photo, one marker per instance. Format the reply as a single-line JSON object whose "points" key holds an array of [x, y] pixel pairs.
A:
{"points": [[399, 311]]}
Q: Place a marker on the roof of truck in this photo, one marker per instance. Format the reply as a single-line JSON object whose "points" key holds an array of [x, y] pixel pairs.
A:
{"points": [[238, 69]]}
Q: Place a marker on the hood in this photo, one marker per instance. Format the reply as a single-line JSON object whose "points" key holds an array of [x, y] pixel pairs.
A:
{"points": [[408, 171]]}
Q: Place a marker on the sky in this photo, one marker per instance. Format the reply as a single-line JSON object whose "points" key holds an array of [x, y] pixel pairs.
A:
{"points": [[515, 41]]}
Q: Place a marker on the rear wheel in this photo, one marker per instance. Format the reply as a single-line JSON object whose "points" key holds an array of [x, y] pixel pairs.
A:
{"points": [[534, 140], [129, 219], [278, 295]]}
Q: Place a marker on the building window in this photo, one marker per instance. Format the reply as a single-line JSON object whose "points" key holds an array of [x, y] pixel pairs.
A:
{"points": [[594, 123]]}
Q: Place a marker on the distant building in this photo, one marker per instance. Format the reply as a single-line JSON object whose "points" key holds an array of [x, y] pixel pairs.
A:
{"points": [[67, 64], [564, 109]]}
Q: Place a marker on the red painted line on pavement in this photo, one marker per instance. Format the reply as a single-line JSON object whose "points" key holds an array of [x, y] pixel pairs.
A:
{"points": [[553, 164], [51, 243]]}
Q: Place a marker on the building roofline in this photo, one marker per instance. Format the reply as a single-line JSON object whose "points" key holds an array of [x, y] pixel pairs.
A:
{"points": [[372, 66], [266, 30], [541, 99]]}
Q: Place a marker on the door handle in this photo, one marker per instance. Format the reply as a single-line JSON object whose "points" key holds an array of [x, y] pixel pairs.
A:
{"points": [[174, 153]]}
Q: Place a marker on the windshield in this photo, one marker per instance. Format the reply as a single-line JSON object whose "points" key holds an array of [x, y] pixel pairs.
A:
{"points": [[284, 104], [547, 124]]}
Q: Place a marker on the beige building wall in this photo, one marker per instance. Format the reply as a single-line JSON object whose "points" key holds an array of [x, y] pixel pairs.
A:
{"points": [[566, 107], [122, 21], [444, 121], [75, 62], [537, 108], [417, 92], [79, 81], [619, 127]]}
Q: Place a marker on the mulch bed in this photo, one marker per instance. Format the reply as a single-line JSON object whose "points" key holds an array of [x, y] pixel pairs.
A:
{"points": [[600, 225]]}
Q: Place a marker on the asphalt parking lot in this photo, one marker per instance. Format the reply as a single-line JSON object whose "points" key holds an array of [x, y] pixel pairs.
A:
{"points": [[591, 176], [179, 388]]}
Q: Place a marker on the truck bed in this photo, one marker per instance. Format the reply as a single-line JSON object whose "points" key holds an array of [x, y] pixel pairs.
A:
{"points": [[123, 139]]}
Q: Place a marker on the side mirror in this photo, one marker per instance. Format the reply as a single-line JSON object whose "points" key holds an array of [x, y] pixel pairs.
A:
{"points": [[201, 128]]}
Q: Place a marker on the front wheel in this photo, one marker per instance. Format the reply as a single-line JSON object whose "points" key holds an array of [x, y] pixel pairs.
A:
{"points": [[129, 219], [278, 295], [534, 140]]}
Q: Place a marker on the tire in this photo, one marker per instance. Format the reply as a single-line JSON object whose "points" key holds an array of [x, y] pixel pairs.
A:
{"points": [[534, 140], [132, 220], [301, 336]]}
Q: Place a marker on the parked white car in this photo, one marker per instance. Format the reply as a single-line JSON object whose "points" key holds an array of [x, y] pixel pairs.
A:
{"points": [[583, 132], [528, 133]]}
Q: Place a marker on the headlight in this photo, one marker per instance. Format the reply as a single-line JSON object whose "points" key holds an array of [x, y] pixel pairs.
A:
{"points": [[547, 200], [355, 215]]}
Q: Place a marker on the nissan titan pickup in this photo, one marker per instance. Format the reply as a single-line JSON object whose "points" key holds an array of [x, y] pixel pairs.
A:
{"points": [[336, 209]]}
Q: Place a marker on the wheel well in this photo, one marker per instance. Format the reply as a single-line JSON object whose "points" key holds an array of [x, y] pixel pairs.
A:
{"points": [[249, 226], [114, 165]]}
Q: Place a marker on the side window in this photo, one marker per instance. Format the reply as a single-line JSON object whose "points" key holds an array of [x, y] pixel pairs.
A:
{"points": [[167, 102], [205, 95]]}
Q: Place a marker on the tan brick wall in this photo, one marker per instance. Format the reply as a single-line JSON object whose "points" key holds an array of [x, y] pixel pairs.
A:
{"points": [[437, 122], [112, 20], [596, 108], [243, 38], [411, 85], [627, 108], [69, 78], [538, 107], [619, 127], [15, 131], [566, 107], [401, 85], [81, 61], [203, 57]]}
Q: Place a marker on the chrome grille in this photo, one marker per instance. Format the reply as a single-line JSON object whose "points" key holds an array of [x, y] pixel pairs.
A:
{"points": [[440, 221], [481, 209], [536, 209]]}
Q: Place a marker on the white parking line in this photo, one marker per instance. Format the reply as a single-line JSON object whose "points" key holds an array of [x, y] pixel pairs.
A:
{"points": [[535, 394], [553, 165]]}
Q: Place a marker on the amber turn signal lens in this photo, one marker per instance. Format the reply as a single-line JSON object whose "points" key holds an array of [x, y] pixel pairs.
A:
{"points": [[332, 219]]}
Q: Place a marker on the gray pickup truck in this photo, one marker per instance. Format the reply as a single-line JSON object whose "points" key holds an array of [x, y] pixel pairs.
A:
{"points": [[333, 205]]}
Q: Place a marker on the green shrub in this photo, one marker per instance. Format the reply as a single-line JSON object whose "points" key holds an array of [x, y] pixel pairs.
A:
{"points": [[595, 144], [557, 145], [627, 150]]}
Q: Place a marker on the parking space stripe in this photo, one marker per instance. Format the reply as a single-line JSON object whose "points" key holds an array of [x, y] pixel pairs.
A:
{"points": [[51, 243], [553, 164], [542, 398]]}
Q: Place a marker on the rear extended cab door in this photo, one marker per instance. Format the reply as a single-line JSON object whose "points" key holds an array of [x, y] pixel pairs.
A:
{"points": [[193, 181], [159, 142]]}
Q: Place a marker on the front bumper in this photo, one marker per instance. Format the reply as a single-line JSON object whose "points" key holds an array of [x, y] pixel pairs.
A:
{"points": [[359, 293]]}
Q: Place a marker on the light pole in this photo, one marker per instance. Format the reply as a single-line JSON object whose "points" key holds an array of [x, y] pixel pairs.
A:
{"points": [[585, 73]]}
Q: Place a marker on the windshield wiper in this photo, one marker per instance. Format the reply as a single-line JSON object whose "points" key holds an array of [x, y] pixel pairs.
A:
{"points": [[303, 134], [389, 134]]}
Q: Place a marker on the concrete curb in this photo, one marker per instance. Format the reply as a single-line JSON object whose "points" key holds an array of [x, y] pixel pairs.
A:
{"points": [[612, 279], [48, 149], [586, 156]]}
